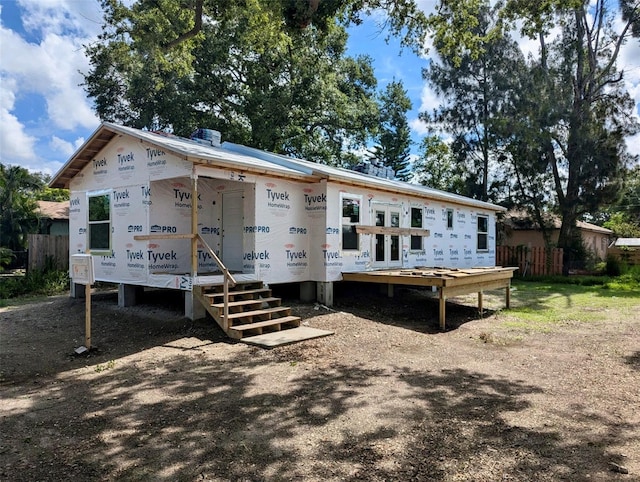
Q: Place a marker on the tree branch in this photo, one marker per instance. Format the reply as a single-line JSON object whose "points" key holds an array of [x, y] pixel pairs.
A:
{"points": [[197, 26]]}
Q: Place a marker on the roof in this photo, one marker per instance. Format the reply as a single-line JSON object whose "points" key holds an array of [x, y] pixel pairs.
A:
{"points": [[250, 160], [628, 242], [185, 148], [53, 209], [348, 176], [521, 221]]}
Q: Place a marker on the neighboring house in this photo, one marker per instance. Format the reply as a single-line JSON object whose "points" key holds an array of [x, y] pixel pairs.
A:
{"points": [[268, 217], [627, 249], [53, 218], [518, 229]]}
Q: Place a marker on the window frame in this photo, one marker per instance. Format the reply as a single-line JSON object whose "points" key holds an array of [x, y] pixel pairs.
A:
{"points": [[450, 218], [482, 234], [350, 224], [100, 249], [414, 237]]}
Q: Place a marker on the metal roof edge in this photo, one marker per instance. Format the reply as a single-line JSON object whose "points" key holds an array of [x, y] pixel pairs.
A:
{"points": [[351, 177], [278, 159]]}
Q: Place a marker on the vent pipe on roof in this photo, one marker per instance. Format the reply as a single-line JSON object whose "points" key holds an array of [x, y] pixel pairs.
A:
{"points": [[206, 136]]}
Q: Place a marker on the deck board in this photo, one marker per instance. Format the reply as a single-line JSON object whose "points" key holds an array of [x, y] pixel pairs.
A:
{"points": [[450, 282]]}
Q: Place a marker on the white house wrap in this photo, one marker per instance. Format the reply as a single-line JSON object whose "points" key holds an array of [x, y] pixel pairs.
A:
{"points": [[267, 217]]}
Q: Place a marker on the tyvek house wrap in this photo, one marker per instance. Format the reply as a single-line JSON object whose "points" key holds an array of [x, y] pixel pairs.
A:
{"points": [[273, 229]]}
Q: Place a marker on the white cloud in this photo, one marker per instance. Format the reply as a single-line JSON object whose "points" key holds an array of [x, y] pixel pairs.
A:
{"points": [[15, 144], [429, 100], [51, 69], [62, 17], [62, 146], [46, 64], [418, 127]]}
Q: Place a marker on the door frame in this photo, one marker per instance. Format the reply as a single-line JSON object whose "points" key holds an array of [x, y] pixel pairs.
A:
{"points": [[237, 236], [388, 239]]}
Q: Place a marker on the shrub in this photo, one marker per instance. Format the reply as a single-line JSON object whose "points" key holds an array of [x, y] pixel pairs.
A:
{"points": [[6, 256], [615, 266], [34, 283]]}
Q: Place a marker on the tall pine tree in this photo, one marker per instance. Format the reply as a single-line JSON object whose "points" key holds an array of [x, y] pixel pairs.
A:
{"points": [[394, 139]]}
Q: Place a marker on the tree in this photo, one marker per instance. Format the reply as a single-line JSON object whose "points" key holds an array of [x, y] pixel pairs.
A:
{"points": [[394, 137], [623, 217], [582, 115], [272, 75], [476, 89], [18, 188], [436, 166]]}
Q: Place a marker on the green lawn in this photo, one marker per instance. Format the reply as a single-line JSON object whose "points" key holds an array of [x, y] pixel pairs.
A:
{"points": [[540, 305]]}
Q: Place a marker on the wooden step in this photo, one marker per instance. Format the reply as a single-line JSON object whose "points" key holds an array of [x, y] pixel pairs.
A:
{"points": [[241, 303], [265, 311], [234, 294], [257, 328]]}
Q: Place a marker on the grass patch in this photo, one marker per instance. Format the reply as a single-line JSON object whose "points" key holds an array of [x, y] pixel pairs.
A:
{"points": [[544, 303]]}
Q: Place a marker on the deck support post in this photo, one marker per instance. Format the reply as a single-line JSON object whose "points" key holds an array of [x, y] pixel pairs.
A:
{"points": [[480, 307], [76, 290], [128, 294], [307, 291], [193, 308], [507, 295], [442, 310], [324, 292]]}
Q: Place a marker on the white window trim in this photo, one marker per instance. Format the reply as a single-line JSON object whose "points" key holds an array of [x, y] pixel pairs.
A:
{"points": [[421, 208], [453, 217], [478, 232], [359, 198], [98, 193]]}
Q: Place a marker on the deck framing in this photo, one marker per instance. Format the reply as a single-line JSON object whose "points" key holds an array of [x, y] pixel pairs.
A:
{"points": [[449, 282]]}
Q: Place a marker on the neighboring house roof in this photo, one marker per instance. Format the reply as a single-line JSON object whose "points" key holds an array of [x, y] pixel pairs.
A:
{"points": [[627, 242], [53, 210], [518, 220], [250, 160]]}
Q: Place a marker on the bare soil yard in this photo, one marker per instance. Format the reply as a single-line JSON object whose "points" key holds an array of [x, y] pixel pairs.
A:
{"points": [[388, 397]]}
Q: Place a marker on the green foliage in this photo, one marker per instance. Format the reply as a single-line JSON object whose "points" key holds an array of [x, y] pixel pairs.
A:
{"points": [[615, 266], [627, 279], [6, 256], [51, 194], [436, 166], [34, 283], [18, 190], [560, 123], [283, 87], [478, 87], [394, 137], [622, 227]]}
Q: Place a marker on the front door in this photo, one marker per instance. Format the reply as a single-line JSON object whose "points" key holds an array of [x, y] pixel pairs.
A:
{"points": [[232, 229], [386, 246]]}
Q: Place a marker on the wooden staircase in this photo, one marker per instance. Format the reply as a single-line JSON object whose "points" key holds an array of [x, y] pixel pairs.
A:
{"points": [[252, 309]]}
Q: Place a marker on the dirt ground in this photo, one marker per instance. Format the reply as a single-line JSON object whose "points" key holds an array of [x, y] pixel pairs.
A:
{"points": [[388, 397]]}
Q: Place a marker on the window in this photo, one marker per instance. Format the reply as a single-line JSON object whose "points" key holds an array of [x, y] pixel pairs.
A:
{"points": [[350, 219], [416, 222], [449, 218], [483, 233], [100, 222]]}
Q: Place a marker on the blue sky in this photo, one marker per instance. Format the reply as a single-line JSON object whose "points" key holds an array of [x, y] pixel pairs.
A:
{"points": [[45, 115]]}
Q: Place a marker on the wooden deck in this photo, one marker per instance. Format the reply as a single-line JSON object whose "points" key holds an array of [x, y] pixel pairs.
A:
{"points": [[449, 282]]}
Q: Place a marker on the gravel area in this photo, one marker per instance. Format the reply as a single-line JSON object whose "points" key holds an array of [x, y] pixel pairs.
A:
{"points": [[388, 397]]}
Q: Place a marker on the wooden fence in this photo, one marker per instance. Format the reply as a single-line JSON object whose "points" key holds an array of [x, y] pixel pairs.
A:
{"points": [[530, 261], [48, 252]]}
